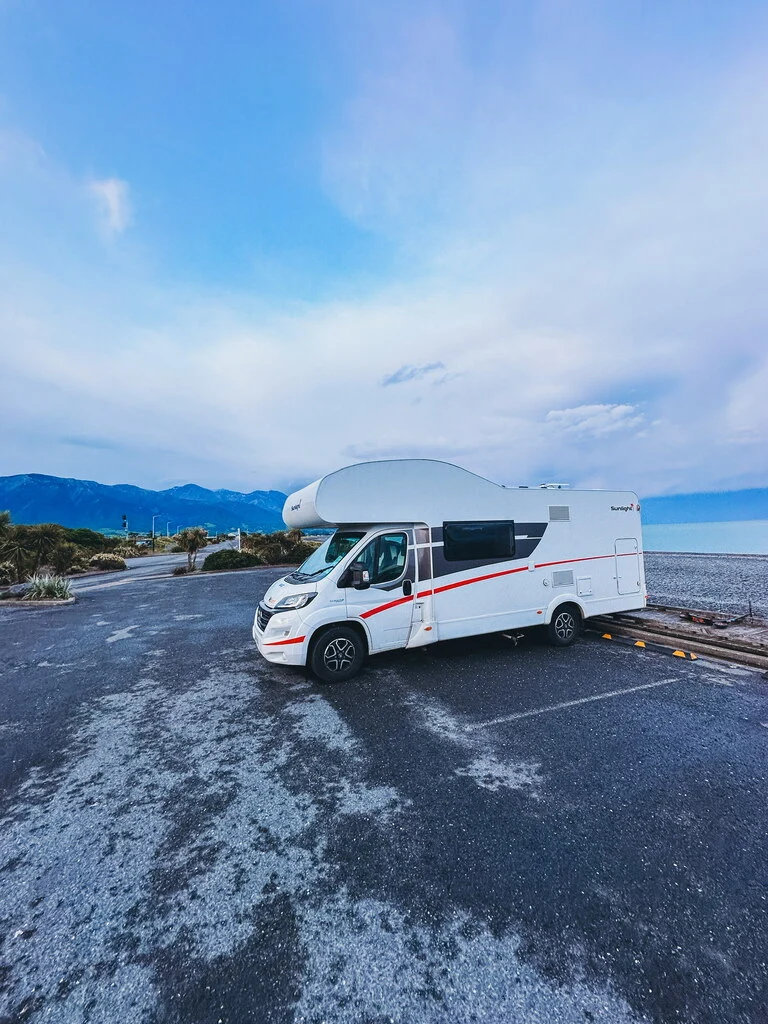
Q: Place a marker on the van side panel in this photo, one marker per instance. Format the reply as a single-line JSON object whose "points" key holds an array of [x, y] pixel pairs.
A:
{"points": [[585, 550]]}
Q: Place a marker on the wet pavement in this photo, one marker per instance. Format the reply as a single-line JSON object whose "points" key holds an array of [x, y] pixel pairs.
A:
{"points": [[471, 832]]}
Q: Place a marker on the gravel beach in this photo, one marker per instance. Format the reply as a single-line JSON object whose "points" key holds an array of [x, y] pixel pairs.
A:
{"points": [[714, 582]]}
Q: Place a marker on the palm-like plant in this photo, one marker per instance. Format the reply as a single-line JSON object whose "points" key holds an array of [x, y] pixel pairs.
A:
{"points": [[191, 540], [15, 550], [41, 540]]}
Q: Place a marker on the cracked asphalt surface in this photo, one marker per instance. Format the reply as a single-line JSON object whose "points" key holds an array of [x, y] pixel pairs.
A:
{"points": [[188, 834]]}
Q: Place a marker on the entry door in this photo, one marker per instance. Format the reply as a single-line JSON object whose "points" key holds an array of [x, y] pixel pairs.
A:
{"points": [[627, 566], [386, 606]]}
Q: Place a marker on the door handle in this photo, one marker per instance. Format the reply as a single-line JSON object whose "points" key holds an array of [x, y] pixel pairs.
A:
{"points": [[407, 588]]}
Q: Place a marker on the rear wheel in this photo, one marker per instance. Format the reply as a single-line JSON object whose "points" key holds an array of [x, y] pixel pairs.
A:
{"points": [[337, 654], [565, 626]]}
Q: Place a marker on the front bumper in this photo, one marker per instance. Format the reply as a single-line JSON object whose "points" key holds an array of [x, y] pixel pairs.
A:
{"points": [[282, 639]]}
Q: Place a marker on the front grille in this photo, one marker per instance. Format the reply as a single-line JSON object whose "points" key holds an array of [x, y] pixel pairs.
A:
{"points": [[263, 615]]}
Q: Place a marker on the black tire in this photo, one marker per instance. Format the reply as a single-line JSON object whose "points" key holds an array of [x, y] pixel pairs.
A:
{"points": [[338, 653], [565, 626]]}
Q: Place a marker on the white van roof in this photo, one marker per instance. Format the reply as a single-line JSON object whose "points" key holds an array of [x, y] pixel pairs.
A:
{"points": [[396, 491]]}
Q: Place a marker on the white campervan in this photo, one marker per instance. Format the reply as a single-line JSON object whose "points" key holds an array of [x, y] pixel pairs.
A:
{"points": [[424, 551]]}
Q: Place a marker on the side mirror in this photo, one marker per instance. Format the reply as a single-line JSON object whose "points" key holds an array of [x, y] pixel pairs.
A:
{"points": [[360, 578]]}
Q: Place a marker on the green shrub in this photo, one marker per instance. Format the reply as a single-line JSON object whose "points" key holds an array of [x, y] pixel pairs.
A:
{"points": [[7, 573], [279, 548], [231, 559], [85, 538], [46, 587], [106, 560], [130, 551], [65, 557]]}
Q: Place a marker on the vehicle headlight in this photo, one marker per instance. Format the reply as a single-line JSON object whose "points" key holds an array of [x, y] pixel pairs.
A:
{"points": [[295, 601]]}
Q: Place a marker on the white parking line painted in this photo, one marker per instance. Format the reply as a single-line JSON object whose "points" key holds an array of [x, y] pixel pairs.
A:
{"points": [[566, 704]]}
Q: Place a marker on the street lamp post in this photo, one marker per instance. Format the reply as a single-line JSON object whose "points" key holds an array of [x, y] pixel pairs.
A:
{"points": [[154, 517]]}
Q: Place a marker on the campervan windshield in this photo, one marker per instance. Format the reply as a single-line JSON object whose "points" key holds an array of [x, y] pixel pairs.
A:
{"points": [[330, 553]]}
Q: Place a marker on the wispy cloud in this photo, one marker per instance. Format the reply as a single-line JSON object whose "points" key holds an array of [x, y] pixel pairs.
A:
{"points": [[581, 243], [595, 421], [406, 373], [112, 196], [97, 443]]}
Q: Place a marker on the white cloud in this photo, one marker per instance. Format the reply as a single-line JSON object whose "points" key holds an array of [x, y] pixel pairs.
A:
{"points": [[593, 421], [113, 204], [593, 294]]}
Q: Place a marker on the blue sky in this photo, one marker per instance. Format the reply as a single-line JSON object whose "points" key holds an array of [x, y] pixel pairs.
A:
{"points": [[246, 243]]}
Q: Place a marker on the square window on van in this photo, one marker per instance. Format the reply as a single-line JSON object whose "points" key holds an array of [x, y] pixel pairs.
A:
{"points": [[469, 541]]}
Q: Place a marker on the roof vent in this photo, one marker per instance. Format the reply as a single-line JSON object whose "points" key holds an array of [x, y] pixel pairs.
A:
{"points": [[554, 487], [559, 513]]}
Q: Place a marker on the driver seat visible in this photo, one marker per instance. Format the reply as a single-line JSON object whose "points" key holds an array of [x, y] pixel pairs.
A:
{"points": [[390, 561]]}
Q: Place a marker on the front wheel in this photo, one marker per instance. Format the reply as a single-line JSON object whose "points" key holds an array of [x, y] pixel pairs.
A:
{"points": [[565, 626], [337, 654]]}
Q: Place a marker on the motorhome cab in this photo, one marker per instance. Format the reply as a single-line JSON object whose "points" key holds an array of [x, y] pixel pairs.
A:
{"points": [[424, 551]]}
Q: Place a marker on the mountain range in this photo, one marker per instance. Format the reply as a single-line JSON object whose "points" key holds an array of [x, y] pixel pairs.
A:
{"points": [[35, 498]]}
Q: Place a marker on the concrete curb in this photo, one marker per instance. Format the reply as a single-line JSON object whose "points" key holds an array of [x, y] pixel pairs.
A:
{"points": [[247, 568], [54, 602], [685, 649], [196, 575], [648, 645], [95, 572]]}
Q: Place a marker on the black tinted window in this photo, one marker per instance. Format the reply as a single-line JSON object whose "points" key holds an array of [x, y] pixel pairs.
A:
{"points": [[466, 541], [384, 557]]}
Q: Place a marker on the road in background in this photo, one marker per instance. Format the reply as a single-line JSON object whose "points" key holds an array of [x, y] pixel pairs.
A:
{"points": [[467, 832], [145, 566]]}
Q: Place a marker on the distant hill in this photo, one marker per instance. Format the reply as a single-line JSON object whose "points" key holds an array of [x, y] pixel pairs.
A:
{"points": [[35, 498], [706, 507]]}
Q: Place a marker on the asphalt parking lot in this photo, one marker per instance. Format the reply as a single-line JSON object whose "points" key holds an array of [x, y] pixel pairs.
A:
{"points": [[188, 834]]}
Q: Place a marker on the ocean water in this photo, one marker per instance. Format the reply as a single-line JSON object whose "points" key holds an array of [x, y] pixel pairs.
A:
{"points": [[747, 538]]}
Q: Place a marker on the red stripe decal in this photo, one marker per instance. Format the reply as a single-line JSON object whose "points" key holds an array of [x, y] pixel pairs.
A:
{"points": [[384, 607], [475, 579], [279, 643], [589, 558], [479, 579], [524, 568]]}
